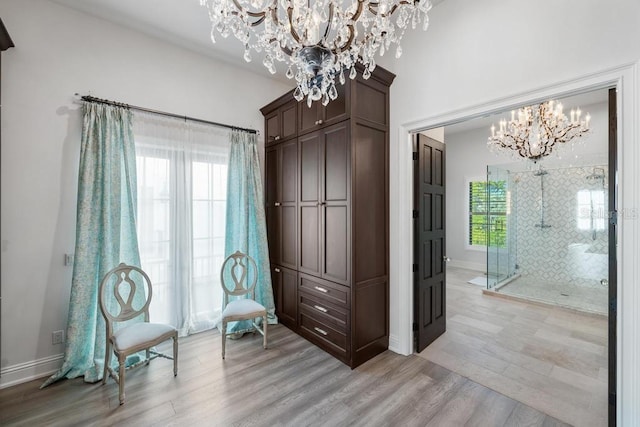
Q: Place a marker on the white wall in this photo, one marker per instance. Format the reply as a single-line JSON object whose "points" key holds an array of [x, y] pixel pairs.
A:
{"points": [[489, 54], [60, 52], [467, 159]]}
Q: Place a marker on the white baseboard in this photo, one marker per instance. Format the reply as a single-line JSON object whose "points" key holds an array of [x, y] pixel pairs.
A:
{"points": [[394, 344], [476, 266], [28, 371]]}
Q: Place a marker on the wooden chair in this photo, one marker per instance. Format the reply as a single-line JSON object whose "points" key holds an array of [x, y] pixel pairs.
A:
{"points": [[134, 337], [241, 269]]}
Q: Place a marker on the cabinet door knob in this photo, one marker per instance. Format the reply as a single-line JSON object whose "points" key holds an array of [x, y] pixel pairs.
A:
{"points": [[277, 270], [318, 288], [319, 122], [277, 138], [315, 123], [276, 204]]}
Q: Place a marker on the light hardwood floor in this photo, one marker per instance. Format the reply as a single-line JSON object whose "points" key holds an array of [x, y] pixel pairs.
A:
{"points": [[293, 383], [549, 358]]}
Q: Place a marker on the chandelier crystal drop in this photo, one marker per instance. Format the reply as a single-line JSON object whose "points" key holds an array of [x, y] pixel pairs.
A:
{"points": [[535, 131], [317, 39]]}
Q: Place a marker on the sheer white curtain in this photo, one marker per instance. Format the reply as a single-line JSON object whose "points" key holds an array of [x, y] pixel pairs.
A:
{"points": [[182, 184]]}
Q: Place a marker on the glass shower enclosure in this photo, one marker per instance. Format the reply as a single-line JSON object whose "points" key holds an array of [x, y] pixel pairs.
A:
{"points": [[547, 235], [500, 250]]}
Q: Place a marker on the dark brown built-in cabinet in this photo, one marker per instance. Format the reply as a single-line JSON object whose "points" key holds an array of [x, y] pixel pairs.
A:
{"points": [[327, 207]]}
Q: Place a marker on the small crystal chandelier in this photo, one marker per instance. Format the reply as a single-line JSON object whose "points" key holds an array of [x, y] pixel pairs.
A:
{"points": [[533, 132], [320, 39]]}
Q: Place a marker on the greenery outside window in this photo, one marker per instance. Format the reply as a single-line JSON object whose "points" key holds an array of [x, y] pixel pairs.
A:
{"points": [[487, 225]]}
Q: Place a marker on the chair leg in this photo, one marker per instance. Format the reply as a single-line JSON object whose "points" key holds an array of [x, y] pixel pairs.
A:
{"points": [[264, 331], [175, 356], [107, 359], [224, 337], [148, 355], [122, 361]]}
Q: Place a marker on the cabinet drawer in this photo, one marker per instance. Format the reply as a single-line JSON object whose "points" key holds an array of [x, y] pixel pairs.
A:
{"points": [[325, 333], [323, 311], [328, 291]]}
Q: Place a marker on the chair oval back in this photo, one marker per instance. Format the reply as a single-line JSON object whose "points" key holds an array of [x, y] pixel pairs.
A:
{"points": [[123, 278], [238, 267]]}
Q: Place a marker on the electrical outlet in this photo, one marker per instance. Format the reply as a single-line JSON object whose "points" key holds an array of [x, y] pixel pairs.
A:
{"points": [[68, 260], [57, 337]]}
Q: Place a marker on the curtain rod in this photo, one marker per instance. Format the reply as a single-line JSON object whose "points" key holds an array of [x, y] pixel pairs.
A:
{"points": [[89, 98]]}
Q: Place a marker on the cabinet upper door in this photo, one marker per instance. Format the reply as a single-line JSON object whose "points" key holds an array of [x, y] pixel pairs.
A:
{"points": [[272, 125], [309, 116], [336, 110], [318, 116], [282, 123], [288, 119]]}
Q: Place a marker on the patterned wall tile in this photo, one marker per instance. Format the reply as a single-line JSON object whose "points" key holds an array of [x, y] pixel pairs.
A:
{"points": [[572, 246]]}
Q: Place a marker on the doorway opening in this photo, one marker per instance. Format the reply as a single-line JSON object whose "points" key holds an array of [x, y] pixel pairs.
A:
{"points": [[550, 341]]}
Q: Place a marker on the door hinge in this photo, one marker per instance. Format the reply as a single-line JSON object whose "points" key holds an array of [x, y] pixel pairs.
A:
{"points": [[414, 155], [415, 268], [415, 326], [612, 399], [415, 213], [613, 306], [613, 218]]}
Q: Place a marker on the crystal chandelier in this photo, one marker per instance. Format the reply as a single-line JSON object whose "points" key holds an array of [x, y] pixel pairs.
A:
{"points": [[317, 39], [533, 132]]}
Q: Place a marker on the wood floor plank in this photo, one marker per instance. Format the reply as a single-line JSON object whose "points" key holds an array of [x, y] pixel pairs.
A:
{"points": [[556, 359], [293, 383], [494, 410], [460, 407]]}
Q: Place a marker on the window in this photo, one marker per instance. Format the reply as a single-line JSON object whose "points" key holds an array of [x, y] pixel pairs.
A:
{"points": [[592, 211], [488, 203], [182, 186]]}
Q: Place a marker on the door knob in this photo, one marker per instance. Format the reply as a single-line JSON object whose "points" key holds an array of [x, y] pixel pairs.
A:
{"points": [[446, 258], [277, 203], [277, 270]]}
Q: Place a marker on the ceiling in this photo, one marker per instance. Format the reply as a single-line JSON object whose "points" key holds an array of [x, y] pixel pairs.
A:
{"points": [[182, 22], [186, 24]]}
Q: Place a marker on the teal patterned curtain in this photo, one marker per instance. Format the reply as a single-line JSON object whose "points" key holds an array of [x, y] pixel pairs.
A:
{"points": [[246, 228], [105, 232]]}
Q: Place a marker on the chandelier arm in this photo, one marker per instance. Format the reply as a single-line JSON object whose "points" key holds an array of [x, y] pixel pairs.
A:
{"points": [[262, 15], [329, 21], [525, 150], [354, 18], [562, 135], [373, 8], [293, 31], [274, 16], [356, 15], [285, 49]]}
